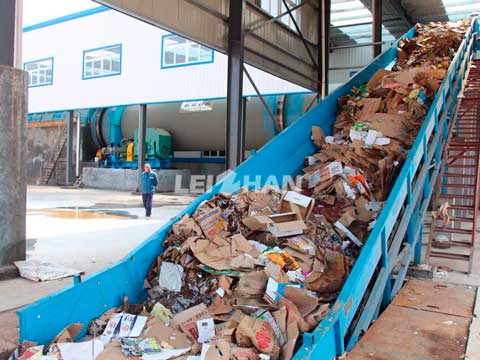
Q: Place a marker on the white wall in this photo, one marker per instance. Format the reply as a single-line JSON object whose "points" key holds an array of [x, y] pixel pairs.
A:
{"points": [[142, 80]]}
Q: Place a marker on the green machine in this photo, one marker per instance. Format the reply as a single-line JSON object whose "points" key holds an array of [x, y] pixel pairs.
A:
{"points": [[158, 144]]}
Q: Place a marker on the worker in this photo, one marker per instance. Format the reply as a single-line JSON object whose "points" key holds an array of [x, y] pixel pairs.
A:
{"points": [[149, 183]]}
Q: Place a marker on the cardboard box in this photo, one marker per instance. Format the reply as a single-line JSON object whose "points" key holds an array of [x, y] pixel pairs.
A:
{"points": [[300, 204], [280, 225]]}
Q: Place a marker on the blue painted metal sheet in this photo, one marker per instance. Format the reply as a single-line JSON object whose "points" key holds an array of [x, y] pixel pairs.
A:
{"points": [[284, 155]]}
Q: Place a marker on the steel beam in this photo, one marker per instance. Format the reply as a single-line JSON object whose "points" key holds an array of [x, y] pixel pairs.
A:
{"points": [[358, 45], [78, 151], [235, 122], [323, 48], [7, 33], [400, 11], [377, 12], [69, 173], [260, 96], [142, 132], [364, 23]]}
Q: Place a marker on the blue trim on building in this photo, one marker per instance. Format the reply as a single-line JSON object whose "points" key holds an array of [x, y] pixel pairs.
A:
{"points": [[163, 66], [34, 61], [104, 75], [56, 116], [201, 160], [66, 18]]}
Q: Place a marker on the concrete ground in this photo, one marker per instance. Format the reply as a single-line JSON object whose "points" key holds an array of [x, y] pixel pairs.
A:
{"points": [[84, 229]]}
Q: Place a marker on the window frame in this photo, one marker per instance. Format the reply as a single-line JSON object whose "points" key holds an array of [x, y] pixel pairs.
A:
{"points": [[284, 20], [36, 61], [84, 77], [187, 63]]}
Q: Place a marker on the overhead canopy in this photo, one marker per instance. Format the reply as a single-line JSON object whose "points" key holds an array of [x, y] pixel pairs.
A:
{"points": [[353, 18], [272, 42]]}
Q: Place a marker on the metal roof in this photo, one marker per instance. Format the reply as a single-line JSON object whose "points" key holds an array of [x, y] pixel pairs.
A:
{"points": [[351, 20]]}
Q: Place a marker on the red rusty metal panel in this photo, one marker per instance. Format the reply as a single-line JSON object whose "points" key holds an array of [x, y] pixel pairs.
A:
{"points": [[408, 334], [427, 321], [434, 296]]}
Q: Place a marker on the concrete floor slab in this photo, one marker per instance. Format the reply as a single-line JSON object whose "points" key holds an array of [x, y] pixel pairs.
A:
{"points": [[89, 229], [440, 297], [85, 229]]}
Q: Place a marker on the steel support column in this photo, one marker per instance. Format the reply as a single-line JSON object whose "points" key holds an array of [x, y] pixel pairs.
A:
{"points": [[78, 146], [235, 150], [69, 179], [377, 12], [8, 17], [323, 48], [142, 131]]}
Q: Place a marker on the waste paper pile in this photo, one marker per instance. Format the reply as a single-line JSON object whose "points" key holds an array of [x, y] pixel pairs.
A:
{"points": [[248, 273]]}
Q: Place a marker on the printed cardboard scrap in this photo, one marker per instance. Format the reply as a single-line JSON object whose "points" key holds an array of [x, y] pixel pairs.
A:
{"points": [[267, 316], [259, 333], [325, 174], [210, 221], [166, 335], [123, 325], [206, 330], [190, 315], [138, 346]]}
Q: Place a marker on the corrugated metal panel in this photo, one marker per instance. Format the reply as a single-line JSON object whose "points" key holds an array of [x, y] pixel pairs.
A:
{"points": [[351, 57], [274, 48]]}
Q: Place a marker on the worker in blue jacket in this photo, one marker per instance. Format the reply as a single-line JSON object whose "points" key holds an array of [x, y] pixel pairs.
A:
{"points": [[149, 183]]}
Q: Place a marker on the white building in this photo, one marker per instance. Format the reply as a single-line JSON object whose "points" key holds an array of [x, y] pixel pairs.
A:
{"points": [[119, 60], [116, 61]]}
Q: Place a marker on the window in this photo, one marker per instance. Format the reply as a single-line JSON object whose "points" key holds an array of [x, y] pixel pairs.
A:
{"points": [[105, 61], [40, 72], [178, 51], [276, 7]]}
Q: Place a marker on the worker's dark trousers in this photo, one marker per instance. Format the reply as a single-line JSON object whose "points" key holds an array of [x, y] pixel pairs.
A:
{"points": [[147, 203]]}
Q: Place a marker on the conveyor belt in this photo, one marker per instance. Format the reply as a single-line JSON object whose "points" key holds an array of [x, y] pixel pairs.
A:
{"points": [[392, 244]]}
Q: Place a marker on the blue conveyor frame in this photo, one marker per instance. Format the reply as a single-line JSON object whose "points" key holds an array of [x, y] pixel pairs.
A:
{"points": [[394, 241]]}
